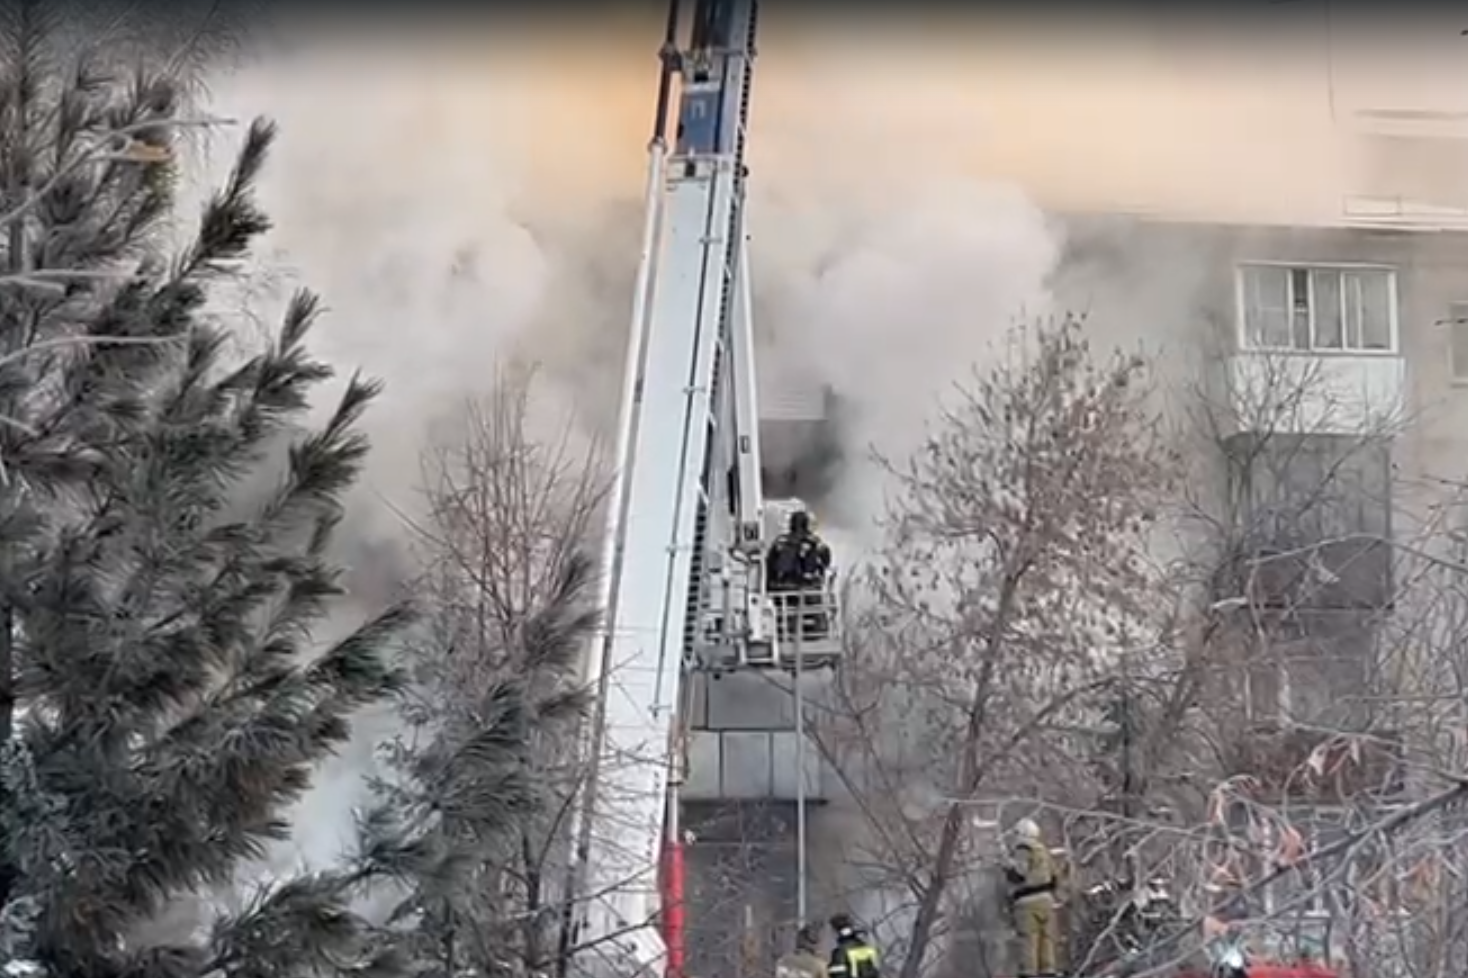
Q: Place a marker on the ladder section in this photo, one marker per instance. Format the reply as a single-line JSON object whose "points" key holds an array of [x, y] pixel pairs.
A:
{"points": [[723, 18], [663, 528], [696, 596], [651, 594]]}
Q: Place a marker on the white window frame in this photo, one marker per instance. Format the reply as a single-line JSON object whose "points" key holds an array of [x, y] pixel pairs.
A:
{"points": [[1393, 308], [1457, 372], [1257, 707]]}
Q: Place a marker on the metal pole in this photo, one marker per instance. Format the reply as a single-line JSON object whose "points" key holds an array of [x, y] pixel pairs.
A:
{"points": [[800, 894]]}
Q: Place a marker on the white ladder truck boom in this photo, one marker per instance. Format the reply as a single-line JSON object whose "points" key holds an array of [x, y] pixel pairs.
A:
{"points": [[683, 587]]}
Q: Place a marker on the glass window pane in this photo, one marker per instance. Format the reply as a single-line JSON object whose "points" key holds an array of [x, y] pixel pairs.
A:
{"points": [[1329, 326], [1267, 306], [1300, 308], [1376, 316], [1265, 690], [1458, 343], [1351, 303]]}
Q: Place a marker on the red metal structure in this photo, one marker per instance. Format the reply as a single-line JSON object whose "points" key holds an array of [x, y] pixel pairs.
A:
{"points": [[1302, 969], [672, 903]]}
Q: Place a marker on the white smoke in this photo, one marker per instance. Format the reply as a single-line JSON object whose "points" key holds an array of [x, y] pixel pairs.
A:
{"points": [[891, 301], [398, 190], [456, 203]]}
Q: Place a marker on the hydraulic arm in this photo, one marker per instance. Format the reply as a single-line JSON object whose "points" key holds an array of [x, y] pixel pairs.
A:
{"points": [[683, 588], [685, 474]]}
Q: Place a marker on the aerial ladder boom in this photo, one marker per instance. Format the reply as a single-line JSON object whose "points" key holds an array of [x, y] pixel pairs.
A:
{"points": [[676, 418]]}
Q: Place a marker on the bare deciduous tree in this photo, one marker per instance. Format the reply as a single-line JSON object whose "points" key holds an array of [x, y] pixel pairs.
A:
{"points": [[1016, 583], [1143, 712], [1305, 785], [507, 584]]}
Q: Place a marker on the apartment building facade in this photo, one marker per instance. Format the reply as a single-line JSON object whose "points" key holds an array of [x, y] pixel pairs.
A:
{"points": [[1319, 351], [1337, 355], [1288, 236], [1327, 345], [1278, 210]]}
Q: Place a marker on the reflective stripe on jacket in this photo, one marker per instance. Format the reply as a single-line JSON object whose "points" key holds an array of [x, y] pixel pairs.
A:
{"points": [[853, 961], [1033, 874]]}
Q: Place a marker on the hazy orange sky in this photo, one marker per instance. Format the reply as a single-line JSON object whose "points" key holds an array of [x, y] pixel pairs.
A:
{"points": [[493, 177], [1257, 122]]}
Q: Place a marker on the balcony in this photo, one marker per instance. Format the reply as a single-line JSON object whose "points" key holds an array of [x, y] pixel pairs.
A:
{"points": [[1316, 394], [741, 739], [1317, 350], [1351, 574], [1402, 213], [1306, 766], [1313, 522], [750, 765]]}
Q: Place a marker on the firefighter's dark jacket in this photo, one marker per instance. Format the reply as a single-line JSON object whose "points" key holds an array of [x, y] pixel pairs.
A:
{"points": [[811, 555], [853, 958]]}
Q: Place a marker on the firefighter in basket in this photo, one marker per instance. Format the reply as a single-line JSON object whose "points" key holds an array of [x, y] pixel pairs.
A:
{"points": [[795, 570]]}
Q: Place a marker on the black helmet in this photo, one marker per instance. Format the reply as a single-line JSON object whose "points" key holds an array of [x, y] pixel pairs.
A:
{"points": [[800, 521], [843, 925], [808, 938]]}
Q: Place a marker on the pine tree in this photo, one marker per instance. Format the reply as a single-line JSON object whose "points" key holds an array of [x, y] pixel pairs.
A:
{"points": [[480, 798], [169, 701], [481, 784]]}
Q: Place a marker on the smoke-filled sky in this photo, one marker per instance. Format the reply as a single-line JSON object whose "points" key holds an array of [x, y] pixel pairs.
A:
{"points": [[450, 199], [458, 196], [457, 201]]}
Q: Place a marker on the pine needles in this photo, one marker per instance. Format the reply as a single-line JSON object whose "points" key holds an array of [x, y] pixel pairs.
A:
{"points": [[158, 632]]}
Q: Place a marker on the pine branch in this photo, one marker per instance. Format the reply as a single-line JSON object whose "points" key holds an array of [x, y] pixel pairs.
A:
{"points": [[303, 926], [311, 586], [323, 465], [185, 961], [232, 220], [275, 385], [162, 645], [135, 323], [70, 341], [353, 669], [388, 849], [121, 145]]}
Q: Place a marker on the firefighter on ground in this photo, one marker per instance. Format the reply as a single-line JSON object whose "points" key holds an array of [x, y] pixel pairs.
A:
{"points": [[805, 961], [852, 957], [1031, 875]]}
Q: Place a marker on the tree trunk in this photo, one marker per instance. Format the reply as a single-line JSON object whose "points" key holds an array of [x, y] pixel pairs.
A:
{"points": [[7, 673], [16, 247], [535, 909], [971, 774], [450, 948], [7, 722], [17, 184]]}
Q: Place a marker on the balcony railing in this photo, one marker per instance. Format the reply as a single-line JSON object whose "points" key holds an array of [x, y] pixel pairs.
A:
{"points": [[1317, 394], [1348, 573], [1305, 765]]}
